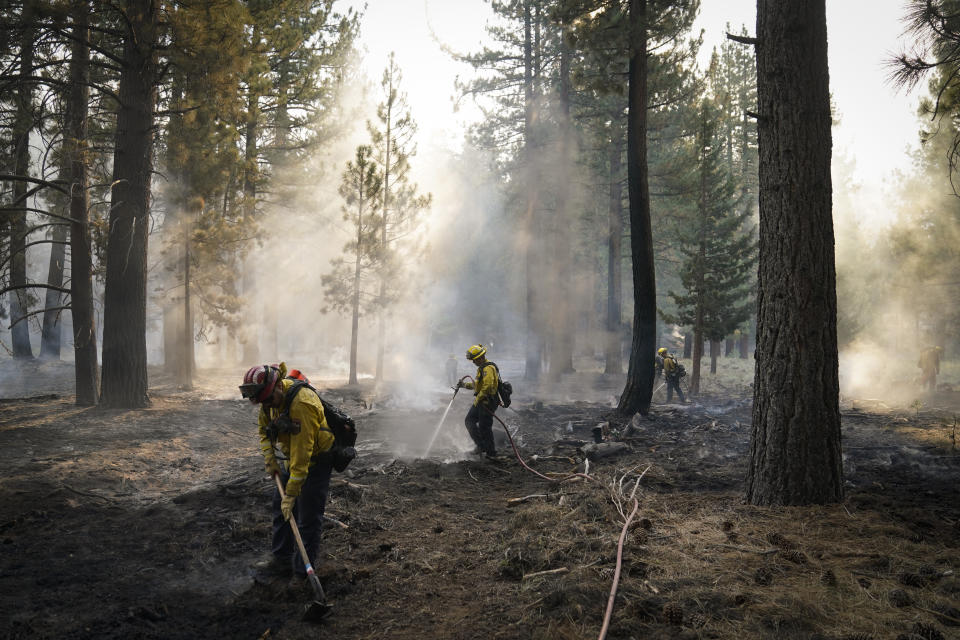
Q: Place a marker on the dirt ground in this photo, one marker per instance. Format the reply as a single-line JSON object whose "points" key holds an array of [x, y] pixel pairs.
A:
{"points": [[145, 524]]}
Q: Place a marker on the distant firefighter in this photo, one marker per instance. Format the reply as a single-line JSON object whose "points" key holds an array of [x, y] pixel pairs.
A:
{"points": [[929, 364], [673, 371], [479, 420]]}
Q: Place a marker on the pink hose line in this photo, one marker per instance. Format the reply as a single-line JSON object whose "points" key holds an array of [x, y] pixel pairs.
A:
{"points": [[623, 532], [616, 573]]}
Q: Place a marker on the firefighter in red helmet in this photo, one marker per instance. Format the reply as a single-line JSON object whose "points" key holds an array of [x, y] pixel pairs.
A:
{"points": [[294, 435]]}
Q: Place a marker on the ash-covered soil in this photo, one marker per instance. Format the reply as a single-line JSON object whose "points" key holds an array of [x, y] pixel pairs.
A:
{"points": [[144, 524]]}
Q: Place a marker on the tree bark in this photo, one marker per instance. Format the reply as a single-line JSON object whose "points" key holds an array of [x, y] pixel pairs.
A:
{"points": [[795, 453], [744, 345], [687, 345], [124, 381], [23, 124], [714, 354], [562, 308], [50, 333], [614, 351], [86, 370], [534, 341], [639, 388]]}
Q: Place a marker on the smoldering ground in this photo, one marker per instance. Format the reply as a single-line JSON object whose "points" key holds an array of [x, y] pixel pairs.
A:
{"points": [[145, 523]]}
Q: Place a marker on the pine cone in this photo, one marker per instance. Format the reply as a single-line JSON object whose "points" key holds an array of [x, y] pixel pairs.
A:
{"points": [[797, 557], [763, 576], [911, 579], [780, 542], [697, 621], [927, 631], [899, 598], [673, 613], [828, 578]]}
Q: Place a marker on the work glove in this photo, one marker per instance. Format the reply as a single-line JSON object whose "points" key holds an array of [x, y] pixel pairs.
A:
{"points": [[286, 506], [271, 466]]}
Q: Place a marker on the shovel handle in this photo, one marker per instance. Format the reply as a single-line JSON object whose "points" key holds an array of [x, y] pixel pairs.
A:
{"points": [[314, 580]]}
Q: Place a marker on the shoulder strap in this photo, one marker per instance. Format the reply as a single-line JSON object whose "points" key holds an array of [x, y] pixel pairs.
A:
{"points": [[292, 393]]}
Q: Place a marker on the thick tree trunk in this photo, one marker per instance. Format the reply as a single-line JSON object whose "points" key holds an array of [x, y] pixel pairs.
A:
{"points": [[124, 381], [714, 354], [687, 345], [795, 455], [50, 333], [744, 345], [639, 387], [86, 370], [728, 347], [614, 352], [23, 123]]}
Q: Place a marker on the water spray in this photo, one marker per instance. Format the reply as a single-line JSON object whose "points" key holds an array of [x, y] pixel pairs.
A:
{"points": [[436, 431]]}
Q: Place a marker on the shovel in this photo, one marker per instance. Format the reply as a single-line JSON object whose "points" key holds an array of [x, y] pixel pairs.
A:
{"points": [[319, 608]]}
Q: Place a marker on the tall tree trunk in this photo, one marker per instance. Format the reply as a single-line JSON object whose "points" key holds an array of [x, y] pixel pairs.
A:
{"points": [[744, 344], [639, 387], [687, 345], [23, 124], [714, 353], [614, 354], [186, 366], [50, 334], [534, 341], [562, 305], [124, 381], [86, 370], [795, 454], [381, 310], [697, 351], [728, 347], [355, 319], [248, 334]]}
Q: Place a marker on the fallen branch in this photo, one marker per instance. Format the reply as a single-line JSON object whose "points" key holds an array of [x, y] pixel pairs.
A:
{"points": [[762, 552], [544, 573], [616, 573], [515, 501], [335, 521]]}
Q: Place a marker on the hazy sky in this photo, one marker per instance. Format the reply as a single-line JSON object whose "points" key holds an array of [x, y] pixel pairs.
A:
{"points": [[877, 124]]}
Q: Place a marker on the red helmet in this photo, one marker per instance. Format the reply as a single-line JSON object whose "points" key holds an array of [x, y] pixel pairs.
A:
{"points": [[259, 382]]}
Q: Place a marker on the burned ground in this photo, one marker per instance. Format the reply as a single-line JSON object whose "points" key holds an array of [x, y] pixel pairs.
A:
{"points": [[145, 524]]}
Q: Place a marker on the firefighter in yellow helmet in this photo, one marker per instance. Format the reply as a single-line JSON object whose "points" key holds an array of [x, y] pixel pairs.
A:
{"points": [[479, 420], [672, 372], [298, 430], [929, 364]]}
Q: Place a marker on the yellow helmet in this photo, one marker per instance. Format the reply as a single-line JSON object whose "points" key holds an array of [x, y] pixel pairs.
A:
{"points": [[662, 351], [476, 351]]}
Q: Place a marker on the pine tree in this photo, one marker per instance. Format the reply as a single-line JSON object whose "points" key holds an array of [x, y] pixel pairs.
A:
{"points": [[795, 453], [392, 139], [348, 287], [717, 247]]}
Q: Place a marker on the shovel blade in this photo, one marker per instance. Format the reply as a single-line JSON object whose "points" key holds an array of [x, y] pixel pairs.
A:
{"points": [[316, 611]]}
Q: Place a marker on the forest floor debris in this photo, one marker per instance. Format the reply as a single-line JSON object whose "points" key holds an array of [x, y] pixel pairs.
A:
{"points": [[146, 523]]}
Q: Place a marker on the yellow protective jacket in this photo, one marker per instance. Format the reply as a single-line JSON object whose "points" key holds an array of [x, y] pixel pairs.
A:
{"points": [[314, 438], [486, 390], [669, 365]]}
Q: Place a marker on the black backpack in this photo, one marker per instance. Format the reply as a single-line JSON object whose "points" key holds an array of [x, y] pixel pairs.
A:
{"points": [[504, 389], [342, 426]]}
